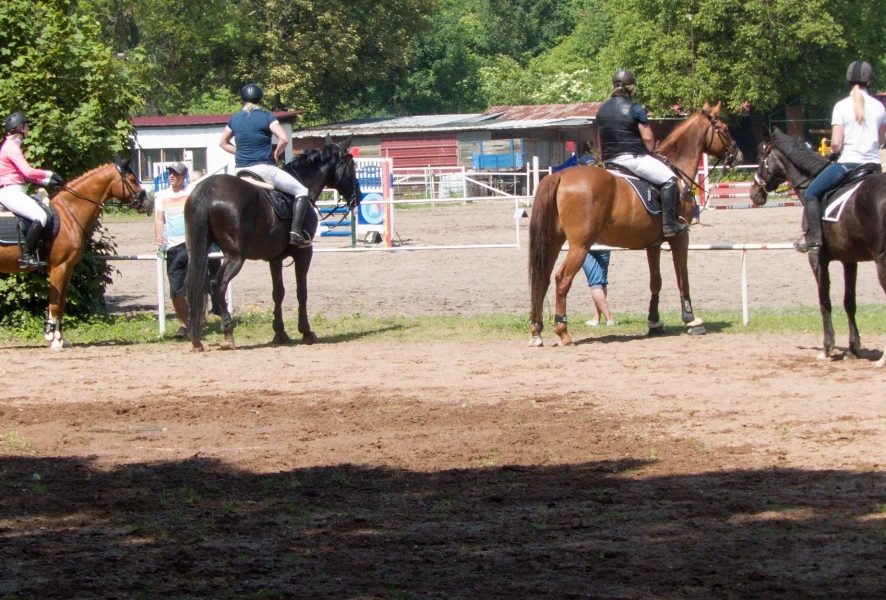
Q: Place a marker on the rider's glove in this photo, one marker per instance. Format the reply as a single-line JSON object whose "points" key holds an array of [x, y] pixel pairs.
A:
{"points": [[55, 180], [833, 156]]}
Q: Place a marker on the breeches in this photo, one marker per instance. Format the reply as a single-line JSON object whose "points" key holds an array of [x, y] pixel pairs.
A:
{"points": [[14, 198], [280, 178], [646, 166]]}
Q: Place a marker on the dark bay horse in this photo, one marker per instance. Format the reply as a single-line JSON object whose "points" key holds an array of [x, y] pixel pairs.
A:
{"points": [[584, 205], [238, 216], [858, 235], [77, 206]]}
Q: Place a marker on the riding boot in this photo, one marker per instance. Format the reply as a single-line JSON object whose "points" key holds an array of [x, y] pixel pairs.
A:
{"points": [[29, 260], [812, 214], [298, 237], [670, 194]]}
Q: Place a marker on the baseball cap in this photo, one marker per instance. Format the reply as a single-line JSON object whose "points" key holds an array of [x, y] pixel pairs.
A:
{"points": [[178, 167]]}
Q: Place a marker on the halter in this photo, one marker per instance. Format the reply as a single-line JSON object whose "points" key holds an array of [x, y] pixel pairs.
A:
{"points": [[764, 171]]}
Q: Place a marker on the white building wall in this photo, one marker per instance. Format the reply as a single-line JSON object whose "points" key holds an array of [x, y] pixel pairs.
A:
{"points": [[217, 160]]}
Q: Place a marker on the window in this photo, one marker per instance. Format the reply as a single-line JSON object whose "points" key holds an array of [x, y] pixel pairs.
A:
{"points": [[152, 161]]}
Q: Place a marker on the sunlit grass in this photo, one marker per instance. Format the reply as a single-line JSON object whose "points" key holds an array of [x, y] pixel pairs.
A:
{"points": [[255, 327]]}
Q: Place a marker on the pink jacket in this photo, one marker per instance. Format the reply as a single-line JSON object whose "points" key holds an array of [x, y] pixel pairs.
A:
{"points": [[14, 167]]}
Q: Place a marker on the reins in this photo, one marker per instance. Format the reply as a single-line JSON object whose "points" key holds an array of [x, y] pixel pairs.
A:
{"points": [[99, 203]]}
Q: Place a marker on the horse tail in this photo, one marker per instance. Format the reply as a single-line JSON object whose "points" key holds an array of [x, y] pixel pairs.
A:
{"points": [[543, 225], [198, 236]]}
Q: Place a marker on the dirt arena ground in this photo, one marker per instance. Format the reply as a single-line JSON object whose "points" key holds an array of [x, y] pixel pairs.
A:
{"points": [[722, 466]]}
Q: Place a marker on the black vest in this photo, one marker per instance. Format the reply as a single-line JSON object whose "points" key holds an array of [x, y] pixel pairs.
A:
{"points": [[619, 133]]}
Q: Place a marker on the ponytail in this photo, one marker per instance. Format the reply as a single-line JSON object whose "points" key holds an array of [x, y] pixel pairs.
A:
{"points": [[858, 103]]}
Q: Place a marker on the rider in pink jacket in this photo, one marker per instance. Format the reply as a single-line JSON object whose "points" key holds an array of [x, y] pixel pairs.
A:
{"points": [[14, 172]]}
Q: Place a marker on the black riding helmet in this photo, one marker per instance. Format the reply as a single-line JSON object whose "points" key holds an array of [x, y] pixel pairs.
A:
{"points": [[859, 72], [251, 93], [623, 77], [15, 121]]}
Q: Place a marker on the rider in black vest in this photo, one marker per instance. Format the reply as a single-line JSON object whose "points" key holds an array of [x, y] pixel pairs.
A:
{"points": [[626, 139]]}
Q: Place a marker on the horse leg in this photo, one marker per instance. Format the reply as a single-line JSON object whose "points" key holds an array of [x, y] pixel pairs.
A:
{"points": [[562, 282], [59, 278], [653, 320], [303, 258], [850, 272], [680, 250], [229, 269], [819, 263], [278, 293], [881, 275]]}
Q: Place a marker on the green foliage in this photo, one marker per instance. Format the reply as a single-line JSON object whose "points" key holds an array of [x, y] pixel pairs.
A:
{"points": [[24, 296], [77, 93]]}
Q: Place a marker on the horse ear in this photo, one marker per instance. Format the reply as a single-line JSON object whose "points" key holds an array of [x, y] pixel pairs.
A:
{"points": [[707, 107], [328, 140], [347, 143], [766, 135], [716, 109]]}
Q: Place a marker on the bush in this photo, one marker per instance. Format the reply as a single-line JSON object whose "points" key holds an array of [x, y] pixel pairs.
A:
{"points": [[25, 295]]}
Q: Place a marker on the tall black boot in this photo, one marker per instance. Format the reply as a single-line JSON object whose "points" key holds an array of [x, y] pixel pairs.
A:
{"points": [[29, 258], [812, 214], [298, 237], [670, 194]]}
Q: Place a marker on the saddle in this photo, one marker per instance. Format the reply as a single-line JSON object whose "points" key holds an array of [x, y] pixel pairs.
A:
{"points": [[279, 201], [646, 191], [834, 200], [13, 227]]}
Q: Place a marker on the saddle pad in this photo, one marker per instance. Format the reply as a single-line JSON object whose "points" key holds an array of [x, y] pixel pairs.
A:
{"points": [[835, 207], [9, 230], [647, 193], [9, 223]]}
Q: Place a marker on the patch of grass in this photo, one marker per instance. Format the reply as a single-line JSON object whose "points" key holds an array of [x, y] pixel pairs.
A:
{"points": [[13, 443], [255, 327]]}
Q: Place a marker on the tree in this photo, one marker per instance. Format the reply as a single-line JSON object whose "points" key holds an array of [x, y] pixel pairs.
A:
{"points": [[79, 97]]}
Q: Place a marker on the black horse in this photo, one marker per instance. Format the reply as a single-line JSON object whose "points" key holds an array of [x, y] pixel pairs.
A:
{"points": [[858, 235], [238, 217]]}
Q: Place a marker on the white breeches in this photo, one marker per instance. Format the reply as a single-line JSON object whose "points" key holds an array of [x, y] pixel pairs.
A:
{"points": [[14, 198]]}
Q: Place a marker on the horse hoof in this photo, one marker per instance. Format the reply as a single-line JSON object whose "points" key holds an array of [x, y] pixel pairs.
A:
{"points": [[695, 329], [536, 342], [656, 330], [198, 347], [226, 345], [281, 340], [309, 338], [59, 344], [880, 363]]}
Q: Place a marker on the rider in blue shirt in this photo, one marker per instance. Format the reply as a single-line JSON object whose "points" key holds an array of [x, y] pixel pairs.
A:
{"points": [[253, 129]]}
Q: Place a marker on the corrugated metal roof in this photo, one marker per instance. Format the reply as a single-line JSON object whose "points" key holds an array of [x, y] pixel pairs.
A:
{"points": [[285, 116], [497, 117]]}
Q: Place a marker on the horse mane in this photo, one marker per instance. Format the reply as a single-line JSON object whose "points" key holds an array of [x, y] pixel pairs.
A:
{"points": [[798, 152], [676, 134], [88, 173], [307, 159]]}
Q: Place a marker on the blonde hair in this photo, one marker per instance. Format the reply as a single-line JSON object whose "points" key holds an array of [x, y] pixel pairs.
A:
{"points": [[858, 102]]}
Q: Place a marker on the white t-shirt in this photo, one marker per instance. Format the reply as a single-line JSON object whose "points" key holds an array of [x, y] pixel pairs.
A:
{"points": [[861, 143], [172, 205]]}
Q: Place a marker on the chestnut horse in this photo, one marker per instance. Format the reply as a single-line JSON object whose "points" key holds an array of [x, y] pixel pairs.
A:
{"points": [[584, 205], [859, 234], [77, 207]]}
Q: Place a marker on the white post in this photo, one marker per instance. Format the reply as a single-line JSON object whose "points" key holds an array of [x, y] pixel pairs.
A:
{"points": [[745, 318], [535, 178], [161, 292]]}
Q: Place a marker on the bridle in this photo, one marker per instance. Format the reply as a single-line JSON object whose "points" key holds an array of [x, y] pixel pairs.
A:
{"points": [[354, 199], [725, 139], [136, 195], [765, 172]]}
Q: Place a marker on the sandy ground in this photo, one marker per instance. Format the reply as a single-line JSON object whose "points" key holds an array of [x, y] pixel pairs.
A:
{"points": [[721, 466]]}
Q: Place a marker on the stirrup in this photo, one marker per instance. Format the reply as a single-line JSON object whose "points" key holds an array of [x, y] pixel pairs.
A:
{"points": [[299, 240], [30, 262], [804, 247], [669, 231]]}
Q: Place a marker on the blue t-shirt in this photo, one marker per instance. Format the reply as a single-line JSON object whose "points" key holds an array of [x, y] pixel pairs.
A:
{"points": [[252, 136]]}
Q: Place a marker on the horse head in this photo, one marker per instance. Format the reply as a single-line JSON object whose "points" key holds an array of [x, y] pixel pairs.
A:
{"points": [[128, 188], [771, 171], [343, 175], [720, 143]]}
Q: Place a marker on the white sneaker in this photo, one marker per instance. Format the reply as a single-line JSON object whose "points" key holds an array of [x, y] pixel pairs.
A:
{"points": [[592, 323]]}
